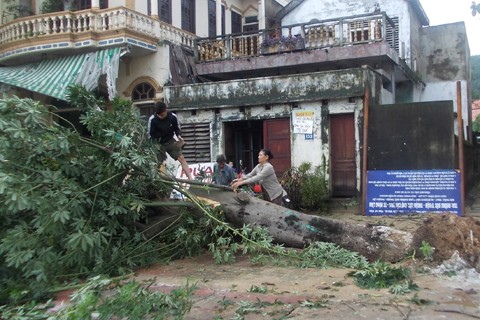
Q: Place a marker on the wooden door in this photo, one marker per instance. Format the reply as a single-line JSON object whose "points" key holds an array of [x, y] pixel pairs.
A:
{"points": [[342, 146], [276, 137]]}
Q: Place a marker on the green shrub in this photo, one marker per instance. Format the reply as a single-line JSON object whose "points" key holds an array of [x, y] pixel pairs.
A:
{"points": [[306, 186]]}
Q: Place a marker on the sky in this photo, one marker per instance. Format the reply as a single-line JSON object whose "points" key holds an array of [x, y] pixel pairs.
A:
{"points": [[446, 11]]}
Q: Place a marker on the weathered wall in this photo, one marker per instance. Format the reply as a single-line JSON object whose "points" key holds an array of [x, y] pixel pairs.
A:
{"points": [[444, 53], [154, 65], [218, 103], [444, 60], [301, 87]]}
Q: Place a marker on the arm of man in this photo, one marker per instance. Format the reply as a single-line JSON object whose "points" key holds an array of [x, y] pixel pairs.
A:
{"points": [[176, 126]]}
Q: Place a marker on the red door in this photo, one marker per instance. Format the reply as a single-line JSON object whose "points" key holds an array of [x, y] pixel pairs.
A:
{"points": [[342, 146], [276, 137]]}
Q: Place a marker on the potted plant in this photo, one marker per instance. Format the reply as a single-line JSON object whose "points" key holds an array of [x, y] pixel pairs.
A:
{"points": [[283, 43]]}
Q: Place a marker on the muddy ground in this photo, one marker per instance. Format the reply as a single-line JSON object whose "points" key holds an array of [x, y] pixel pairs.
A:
{"points": [[447, 289]]}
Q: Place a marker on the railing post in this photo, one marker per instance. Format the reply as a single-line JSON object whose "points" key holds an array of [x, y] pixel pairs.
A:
{"points": [[228, 46], [384, 28], [340, 31], [195, 50]]}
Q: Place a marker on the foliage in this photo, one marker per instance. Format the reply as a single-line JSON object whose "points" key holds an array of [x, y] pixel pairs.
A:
{"points": [[380, 275], [49, 6], [29, 311], [16, 10], [306, 186], [66, 206], [403, 287], [287, 42], [427, 250], [129, 301], [325, 254]]}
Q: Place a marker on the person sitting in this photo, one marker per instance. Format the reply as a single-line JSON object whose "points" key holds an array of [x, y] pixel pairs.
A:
{"points": [[222, 172]]}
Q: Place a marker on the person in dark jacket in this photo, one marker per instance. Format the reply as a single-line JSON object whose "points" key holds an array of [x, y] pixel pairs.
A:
{"points": [[163, 126]]}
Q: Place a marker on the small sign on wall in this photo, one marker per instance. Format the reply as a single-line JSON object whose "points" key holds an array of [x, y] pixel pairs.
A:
{"points": [[391, 192], [309, 136], [303, 121]]}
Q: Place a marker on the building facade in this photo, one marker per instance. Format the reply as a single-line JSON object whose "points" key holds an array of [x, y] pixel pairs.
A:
{"points": [[293, 76]]}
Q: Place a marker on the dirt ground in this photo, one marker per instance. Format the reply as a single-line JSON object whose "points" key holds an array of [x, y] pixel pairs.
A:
{"points": [[448, 286]]}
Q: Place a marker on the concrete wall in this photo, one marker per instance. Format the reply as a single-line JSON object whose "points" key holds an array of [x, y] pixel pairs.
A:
{"points": [[316, 151], [444, 60]]}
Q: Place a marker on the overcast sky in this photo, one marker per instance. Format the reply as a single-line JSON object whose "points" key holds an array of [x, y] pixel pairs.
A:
{"points": [[446, 11]]}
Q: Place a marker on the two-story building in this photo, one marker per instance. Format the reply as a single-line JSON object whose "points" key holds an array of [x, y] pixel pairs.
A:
{"points": [[292, 76]]}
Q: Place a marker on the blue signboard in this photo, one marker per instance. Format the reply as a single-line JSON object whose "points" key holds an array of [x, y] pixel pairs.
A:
{"points": [[391, 192]]}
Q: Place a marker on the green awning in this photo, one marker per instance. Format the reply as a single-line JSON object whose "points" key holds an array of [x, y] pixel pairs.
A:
{"points": [[52, 77]]}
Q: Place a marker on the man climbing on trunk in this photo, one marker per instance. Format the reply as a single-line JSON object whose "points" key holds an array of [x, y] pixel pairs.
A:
{"points": [[162, 128]]}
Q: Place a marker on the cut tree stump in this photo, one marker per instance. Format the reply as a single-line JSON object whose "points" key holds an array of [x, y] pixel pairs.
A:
{"points": [[297, 230]]}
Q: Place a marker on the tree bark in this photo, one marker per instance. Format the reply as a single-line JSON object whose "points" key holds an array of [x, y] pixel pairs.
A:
{"points": [[296, 229]]}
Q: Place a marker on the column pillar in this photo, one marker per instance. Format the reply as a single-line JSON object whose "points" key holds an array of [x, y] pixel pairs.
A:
{"points": [[96, 4], [219, 16], [261, 15], [154, 9]]}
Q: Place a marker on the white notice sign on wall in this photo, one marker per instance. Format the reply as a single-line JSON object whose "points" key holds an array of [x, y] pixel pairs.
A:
{"points": [[303, 121]]}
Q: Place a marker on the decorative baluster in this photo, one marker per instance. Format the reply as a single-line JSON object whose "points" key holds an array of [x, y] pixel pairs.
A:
{"points": [[310, 36], [250, 49], [322, 35], [334, 41], [349, 33], [23, 30], [62, 27], [69, 23], [235, 46], [377, 29], [88, 22]]}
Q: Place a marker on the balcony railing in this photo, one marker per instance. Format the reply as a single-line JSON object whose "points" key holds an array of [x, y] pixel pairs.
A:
{"points": [[68, 23], [315, 34]]}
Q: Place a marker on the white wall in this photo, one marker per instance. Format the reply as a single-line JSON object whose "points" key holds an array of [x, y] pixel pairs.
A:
{"points": [[439, 91], [153, 65]]}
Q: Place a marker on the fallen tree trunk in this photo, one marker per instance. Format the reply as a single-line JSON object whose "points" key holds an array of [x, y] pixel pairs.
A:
{"points": [[296, 229]]}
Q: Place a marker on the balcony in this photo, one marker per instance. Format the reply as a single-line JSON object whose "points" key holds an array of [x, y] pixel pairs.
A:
{"points": [[317, 45], [59, 33]]}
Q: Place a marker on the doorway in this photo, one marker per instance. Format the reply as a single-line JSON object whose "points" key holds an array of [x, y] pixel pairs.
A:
{"points": [[244, 139], [342, 146]]}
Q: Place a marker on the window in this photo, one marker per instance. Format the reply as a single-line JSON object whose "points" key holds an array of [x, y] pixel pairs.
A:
{"points": [[251, 24], [144, 91], [236, 22], [188, 15], [165, 10], [212, 18], [197, 138], [392, 34], [223, 19]]}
